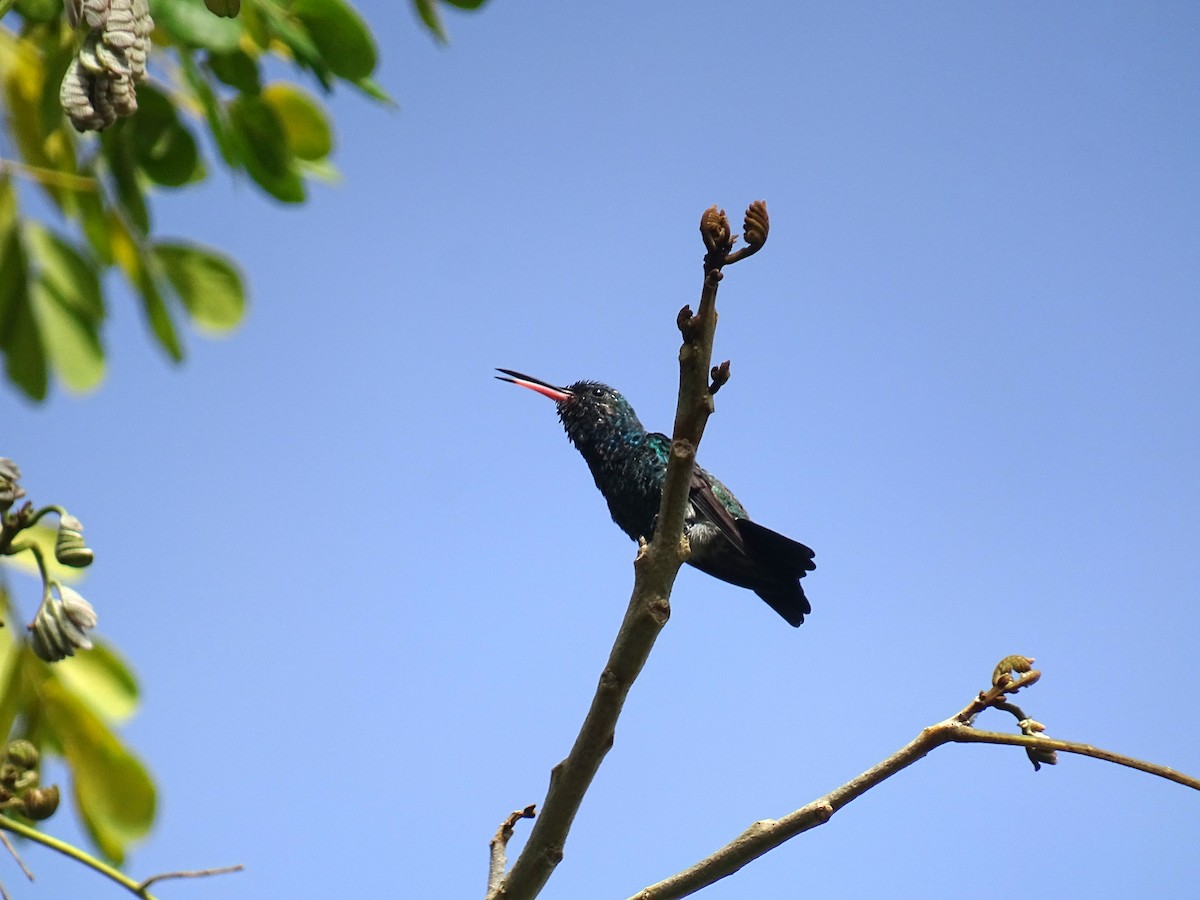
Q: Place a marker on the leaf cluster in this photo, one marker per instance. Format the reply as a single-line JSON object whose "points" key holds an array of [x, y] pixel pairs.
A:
{"points": [[207, 103], [71, 709]]}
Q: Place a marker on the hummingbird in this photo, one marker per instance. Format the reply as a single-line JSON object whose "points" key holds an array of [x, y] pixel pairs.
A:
{"points": [[629, 466]]}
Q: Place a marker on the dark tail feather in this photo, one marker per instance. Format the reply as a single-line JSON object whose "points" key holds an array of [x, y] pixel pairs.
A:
{"points": [[781, 562]]}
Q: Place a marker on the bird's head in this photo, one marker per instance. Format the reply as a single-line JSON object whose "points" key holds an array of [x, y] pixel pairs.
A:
{"points": [[586, 408]]}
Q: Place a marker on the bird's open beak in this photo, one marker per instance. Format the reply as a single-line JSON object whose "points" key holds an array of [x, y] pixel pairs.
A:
{"points": [[557, 394]]}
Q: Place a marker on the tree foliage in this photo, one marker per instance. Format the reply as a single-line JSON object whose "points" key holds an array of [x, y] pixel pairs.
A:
{"points": [[206, 103]]}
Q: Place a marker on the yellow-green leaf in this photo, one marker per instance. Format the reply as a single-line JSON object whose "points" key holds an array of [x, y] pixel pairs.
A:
{"points": [[67, 272], [309, 134], [103, 679], [113, 792], [69, 307], [208, 283]]}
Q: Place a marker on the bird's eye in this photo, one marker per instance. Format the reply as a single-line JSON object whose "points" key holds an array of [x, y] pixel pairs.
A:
{"points": [[597, 393]]}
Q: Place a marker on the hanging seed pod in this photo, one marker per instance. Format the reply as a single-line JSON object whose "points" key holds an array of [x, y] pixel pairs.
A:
{"points": [[69, 548], [60, 627], [100, 86]]}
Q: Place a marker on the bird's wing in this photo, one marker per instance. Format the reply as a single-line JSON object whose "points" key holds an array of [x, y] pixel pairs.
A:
{"points": [[706, 503], [710, 507]]}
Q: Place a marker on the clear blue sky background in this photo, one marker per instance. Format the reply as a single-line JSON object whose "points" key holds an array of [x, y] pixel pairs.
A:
{"points": [[369, 589]]}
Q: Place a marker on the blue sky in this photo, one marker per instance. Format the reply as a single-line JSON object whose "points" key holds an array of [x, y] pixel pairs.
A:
{"points": [[368, 589]]}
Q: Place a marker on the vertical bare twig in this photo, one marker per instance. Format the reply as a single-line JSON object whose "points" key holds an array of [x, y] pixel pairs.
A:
{"points": [[655, 569]]}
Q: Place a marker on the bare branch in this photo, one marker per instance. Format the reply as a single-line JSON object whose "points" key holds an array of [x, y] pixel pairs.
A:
{"points": [[498, 861], [768, 834], [655, 569], [13, 850], [194, 873]]}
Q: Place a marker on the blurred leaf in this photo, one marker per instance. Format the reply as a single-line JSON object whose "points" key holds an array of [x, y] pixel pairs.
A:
{"points": [[189, 22], [237, 69], [24, 82], [72, 342], [40, 10], [213, 113], [428, 11], [256, 26], [207, 282], [340, 34], [465, 4], [298, 41], [161, 146], [69, 307], [67, 272], [321, 169], [103, 679], [13, 696], [128, 254], [372, 89], [122, 166], [227, 8], [44, 536], [89, 209], [24, 355], [113, 792], [309, 134], [263, 146]]}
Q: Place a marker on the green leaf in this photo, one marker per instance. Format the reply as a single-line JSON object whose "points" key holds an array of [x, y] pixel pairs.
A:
{"points": [[428, 11], [372, 89], [122, 165], [128, 254], [40, 11], [188, 22], [113, 792], [72, 342], [69, 308], [238, 69], [214, 115], [14, 691], [207, 282], [160, 145], [263, 147], [341, 35], [309, 134], [159, 317], [103, 679], [89, 209], [67, 272], [20, 338], [227, 8], [298, 41]]}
